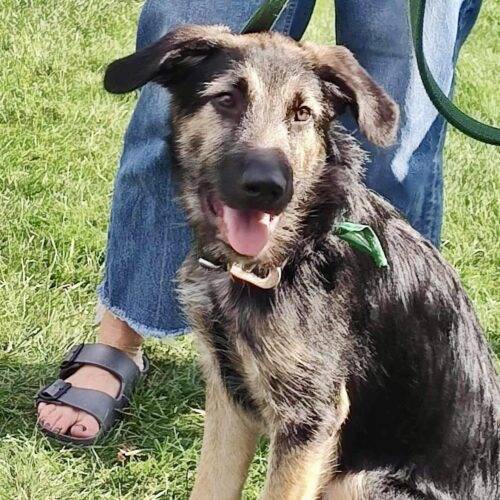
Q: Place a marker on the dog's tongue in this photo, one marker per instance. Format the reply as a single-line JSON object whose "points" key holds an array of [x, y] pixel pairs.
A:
{"points": [[247, 231]]}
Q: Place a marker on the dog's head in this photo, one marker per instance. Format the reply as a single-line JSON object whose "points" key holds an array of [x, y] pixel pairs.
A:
{"points": [[250, 122]]}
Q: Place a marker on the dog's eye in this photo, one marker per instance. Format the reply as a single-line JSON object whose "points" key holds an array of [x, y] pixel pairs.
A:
{"points": [[226, 101], [302, 114]]}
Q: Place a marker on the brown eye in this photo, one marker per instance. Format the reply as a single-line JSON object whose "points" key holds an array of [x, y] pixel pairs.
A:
{"points": [[302, 114], [226, 101]]}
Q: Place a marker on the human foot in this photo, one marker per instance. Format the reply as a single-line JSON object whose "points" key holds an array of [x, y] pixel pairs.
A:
{"points": [[62, 419], [66, 420]]}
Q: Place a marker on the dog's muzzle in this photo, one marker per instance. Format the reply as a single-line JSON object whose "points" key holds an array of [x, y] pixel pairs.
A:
{"points": [[259, 179]]}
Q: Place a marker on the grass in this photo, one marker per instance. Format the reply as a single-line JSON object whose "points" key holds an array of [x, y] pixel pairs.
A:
{"points": [[60, 140]]}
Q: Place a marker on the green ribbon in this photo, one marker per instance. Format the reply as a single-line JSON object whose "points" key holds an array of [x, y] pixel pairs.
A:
{"points": [[364, 239]]}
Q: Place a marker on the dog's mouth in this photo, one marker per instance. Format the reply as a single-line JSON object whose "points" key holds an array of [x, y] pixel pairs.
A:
{"points": [[247, 232]]}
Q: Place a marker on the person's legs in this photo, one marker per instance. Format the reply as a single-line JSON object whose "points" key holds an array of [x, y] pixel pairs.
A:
{"points": [[408, 174], [148, 237]]}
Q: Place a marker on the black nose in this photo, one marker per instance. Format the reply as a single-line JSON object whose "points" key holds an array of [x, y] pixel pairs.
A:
{"points": [[257, 179], [263, 183]]}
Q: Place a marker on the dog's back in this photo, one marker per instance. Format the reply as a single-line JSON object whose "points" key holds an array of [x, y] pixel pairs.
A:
{"points": [[424, 396]]}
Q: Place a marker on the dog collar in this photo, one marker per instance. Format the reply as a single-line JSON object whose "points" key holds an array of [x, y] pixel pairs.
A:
{"points": [[270, 281], [359, 236]]}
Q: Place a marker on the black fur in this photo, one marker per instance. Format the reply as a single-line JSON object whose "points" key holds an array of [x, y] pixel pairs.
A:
{"points": [[229, 362]]}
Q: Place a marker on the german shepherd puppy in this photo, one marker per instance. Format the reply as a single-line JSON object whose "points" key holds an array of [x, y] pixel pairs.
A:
{"points": [[371, 383]]}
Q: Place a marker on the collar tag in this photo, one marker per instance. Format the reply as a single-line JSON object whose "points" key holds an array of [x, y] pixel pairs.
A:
{"points": [[270, 281]]}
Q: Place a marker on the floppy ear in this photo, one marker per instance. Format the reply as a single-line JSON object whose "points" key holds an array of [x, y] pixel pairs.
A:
{"points": [[166, 59], [376, 113]]}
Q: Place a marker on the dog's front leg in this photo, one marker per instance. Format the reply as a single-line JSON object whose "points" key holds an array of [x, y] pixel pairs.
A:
{"points": [[227, 450], [297, 471], [302, 454]]}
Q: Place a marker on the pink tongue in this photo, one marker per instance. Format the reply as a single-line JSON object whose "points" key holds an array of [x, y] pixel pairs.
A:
{"points": [[247, 231]]}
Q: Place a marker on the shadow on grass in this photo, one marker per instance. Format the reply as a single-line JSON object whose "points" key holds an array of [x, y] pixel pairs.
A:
{"points": [[163, 413]]}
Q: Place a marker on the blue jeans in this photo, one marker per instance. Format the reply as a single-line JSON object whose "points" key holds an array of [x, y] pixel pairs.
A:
{"points": [[148, 236]]}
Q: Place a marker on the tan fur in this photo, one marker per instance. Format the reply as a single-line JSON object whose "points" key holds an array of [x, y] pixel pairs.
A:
{"points": [[304, 473], [226, 455], [228, 442], [300, 475], [346, 487]]}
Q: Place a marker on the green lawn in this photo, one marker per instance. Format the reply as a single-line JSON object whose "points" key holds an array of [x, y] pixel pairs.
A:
{"points": [[60, 138]]}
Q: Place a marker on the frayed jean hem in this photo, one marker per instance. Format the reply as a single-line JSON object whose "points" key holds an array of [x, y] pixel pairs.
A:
{"points": [[140, 328]]}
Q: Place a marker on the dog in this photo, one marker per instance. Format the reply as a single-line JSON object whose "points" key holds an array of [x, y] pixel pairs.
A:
{"points": [[370, 382]]}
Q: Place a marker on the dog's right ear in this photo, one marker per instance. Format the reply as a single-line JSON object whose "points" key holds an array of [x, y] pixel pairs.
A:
{"points": [[168, 58]]}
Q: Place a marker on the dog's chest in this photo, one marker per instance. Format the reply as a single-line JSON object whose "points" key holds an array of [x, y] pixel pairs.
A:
{"points": [[252, 343], [255, 343]]}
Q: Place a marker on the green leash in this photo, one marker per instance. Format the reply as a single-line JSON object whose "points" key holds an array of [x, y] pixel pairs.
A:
{"points": [[265, 16], [270, 10], [463, 122]]}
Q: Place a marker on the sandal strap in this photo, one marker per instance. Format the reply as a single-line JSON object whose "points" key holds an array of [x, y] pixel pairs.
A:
{"points": [[104, 356], [98, 404]]}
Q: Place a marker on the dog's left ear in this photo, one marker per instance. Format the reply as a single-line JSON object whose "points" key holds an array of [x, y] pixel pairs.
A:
{"points": [[346, 81], [167, 60]]}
